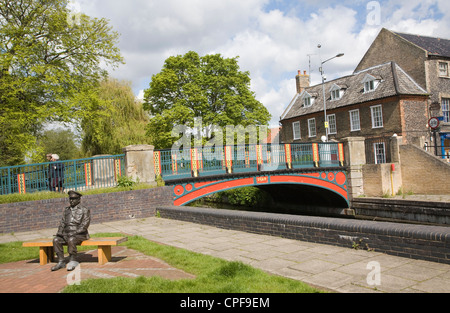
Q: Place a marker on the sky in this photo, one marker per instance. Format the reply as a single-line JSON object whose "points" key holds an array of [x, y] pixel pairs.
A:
{"points": [[273, 39]]}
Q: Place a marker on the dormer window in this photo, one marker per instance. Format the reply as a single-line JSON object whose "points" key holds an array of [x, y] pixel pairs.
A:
{"points": [[336, 92], [308, 100], [370, 83]]}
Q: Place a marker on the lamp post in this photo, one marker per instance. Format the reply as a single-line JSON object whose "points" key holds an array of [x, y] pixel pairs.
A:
{"points": [[323, 90]]}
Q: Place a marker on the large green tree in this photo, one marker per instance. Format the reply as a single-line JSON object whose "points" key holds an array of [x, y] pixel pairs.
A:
{"points": [[211, 87], [116, 120], [47, 59]]}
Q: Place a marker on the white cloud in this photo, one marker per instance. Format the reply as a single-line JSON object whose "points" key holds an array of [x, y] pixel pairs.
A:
{"points": [[272, 44]]}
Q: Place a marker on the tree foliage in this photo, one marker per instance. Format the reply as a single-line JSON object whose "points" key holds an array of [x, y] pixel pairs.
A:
{"points": [[46, 61], [116, 119], [58, 141], [210, 87]]}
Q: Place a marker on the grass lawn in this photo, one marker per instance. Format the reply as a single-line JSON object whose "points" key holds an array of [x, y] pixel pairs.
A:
{"points": [[213, 275]]}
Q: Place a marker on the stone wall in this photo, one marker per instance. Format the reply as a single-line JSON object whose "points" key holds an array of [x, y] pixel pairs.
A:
{"points": [[107, 207]]}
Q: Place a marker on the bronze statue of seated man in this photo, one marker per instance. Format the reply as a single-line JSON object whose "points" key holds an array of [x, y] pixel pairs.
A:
{"points": [[72, 231]]}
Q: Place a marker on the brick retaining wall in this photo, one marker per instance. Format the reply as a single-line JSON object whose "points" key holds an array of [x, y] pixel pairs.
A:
{"points": [[430, 243], [35, 215], [432, 212]]}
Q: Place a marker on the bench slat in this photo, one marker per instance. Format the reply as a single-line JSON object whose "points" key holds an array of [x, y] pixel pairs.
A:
{"points": [[106, 241], [103, 245]]}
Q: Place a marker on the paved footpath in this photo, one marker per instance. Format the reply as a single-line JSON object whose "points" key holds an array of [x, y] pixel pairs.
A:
{"points": [[329, 267]]}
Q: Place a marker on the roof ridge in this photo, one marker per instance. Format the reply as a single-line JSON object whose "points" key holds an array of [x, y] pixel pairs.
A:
{"points": [[394, 75], [370, 68], [418, 35]]}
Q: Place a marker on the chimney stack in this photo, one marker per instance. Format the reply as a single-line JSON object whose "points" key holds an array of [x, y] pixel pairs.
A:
{"points": [[302, 81]]}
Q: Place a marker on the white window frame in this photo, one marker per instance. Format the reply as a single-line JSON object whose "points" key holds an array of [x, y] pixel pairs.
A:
{"points": [[312, 132], [332, 127], [307, 101], [352, 121], [294, 124], [370, 83], [335, 94], [445, 106], [377, 116], [379, 150], [446, 72]]}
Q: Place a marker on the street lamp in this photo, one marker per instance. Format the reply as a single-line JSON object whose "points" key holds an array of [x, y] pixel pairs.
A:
{"points": [[323, 89]]}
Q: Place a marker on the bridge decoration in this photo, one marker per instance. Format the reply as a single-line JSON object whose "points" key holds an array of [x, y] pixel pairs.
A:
{"points": [[198, 172]]}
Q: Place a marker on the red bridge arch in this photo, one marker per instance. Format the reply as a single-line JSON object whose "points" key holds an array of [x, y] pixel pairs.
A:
{"points": [[188, 191]]}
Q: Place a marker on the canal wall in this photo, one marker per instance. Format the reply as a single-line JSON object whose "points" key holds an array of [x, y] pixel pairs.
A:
{"points": [[425, 242], [424, 212]]}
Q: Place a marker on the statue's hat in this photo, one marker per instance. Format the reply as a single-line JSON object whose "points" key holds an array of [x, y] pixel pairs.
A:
{"points": [[74, 194]]}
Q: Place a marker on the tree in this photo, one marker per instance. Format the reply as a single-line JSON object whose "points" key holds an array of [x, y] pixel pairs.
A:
{"points": [[116, 119], [58, 141], [46, 61], [210, 87]]}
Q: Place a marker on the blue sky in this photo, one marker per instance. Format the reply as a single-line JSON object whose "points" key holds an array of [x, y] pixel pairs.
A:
{"points": [[272, 38]]}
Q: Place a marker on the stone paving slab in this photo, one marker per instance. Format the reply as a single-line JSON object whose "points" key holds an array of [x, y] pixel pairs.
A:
{"points": [[332, 268]]}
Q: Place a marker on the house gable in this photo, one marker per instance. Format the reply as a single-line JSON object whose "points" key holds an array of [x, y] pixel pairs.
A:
{"points": [[408, 55]]}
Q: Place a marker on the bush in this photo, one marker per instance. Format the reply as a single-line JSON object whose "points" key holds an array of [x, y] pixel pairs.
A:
{"points": [[246, 196]]}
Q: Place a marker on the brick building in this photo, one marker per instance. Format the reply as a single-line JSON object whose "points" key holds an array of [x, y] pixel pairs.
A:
{"points": [[375, 103], [427, 61]]}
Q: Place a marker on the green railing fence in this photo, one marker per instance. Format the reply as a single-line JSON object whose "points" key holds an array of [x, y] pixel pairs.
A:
{"points": [[81, 174], [206, 161]]}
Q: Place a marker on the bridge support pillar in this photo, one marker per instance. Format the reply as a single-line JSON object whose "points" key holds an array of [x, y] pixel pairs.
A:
{"points": [[139, 163], [355, 158]]}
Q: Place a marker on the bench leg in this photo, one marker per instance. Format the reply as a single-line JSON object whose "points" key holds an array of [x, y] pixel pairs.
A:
{"points": [[46, 254], [104, 254]]}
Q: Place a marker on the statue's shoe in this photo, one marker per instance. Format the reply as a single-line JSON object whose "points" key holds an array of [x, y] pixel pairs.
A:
{"points": [[72, 265], [58, 266]]}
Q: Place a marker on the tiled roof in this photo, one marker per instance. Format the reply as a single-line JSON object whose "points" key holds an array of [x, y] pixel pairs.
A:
{"points": [[393, 81], [436, 46]]}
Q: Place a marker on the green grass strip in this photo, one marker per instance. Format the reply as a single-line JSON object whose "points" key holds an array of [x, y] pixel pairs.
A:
{"points": [[212, 275]]}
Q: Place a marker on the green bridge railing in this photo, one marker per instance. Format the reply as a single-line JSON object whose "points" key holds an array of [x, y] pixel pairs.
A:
{"points": [[206, 161], [80, 174]]}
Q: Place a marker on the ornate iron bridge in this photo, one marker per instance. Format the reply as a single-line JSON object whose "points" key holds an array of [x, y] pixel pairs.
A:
{"points": [[198, 172]]}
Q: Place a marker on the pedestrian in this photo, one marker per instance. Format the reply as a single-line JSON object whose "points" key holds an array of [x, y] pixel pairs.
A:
{"points": [[51, 172], [59, 174]]}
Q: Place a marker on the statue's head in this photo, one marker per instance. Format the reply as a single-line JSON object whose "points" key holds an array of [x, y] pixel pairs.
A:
{"points": [[74, 198]]}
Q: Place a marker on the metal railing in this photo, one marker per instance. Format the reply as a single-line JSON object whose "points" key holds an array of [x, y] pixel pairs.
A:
{"points": [[81, 174], [207, 161]]}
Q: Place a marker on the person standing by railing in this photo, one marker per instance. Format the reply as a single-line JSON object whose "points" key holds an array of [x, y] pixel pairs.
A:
{"points": [[50, 172], [55, 173], [59, 173]]}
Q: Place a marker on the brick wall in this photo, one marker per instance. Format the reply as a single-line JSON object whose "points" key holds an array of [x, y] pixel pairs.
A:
{"points": [[423, 173], [391, 122], [35, 215], [428, 212], [413, 241]]}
